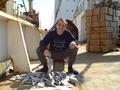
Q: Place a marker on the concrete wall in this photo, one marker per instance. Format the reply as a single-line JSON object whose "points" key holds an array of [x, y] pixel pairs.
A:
{"points": [[32, 39], [17, 49], [23, 40], [3, 39]]}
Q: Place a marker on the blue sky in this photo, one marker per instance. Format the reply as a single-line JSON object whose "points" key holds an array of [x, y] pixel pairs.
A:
{"points": [[45, 9]]}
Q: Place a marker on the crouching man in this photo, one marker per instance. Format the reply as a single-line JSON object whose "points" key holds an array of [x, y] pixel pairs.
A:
{"points": [[61, 45]]}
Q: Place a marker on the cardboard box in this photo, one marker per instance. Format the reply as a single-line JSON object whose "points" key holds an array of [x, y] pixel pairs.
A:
{"points": [[99, 49], [88, 30], [92, 30], [108, 35], [106, 48], [88, 19], [106, 29], [104, 10], [115, 18], [115, 33], [91, 36], [110, 12], [114, 24], [94, 48], [114, 42], [88, 24], [104, 23], [94, 42], [95, 30], [95, 24], [116, 13], [105, 42], [105, 17], [116, 28], [88, 36], [95, 18], [96, 11], [89, 12]]}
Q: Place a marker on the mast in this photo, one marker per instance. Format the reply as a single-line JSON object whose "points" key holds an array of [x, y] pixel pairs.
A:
{"points": [[30, 6]]}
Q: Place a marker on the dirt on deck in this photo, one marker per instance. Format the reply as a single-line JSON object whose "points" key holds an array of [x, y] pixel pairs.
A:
{"points": [[98, 71], [101, 71]]}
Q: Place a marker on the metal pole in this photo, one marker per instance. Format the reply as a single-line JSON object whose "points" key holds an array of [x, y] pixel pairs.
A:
{"points": [[30, 5], [24, 5]]}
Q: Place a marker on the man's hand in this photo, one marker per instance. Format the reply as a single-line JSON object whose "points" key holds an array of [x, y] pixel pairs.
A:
{"points": [[72, 45], [47, 53]]}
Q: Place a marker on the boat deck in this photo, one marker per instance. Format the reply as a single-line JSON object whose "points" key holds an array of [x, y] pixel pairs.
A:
{"points": [[100, 71]]}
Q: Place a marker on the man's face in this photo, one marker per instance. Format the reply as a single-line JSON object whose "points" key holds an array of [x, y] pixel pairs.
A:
{"points": [[60, 26]]}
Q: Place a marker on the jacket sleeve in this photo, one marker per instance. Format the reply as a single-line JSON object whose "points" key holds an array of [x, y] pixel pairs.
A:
{"points": [[46, 40], [71, 37]]}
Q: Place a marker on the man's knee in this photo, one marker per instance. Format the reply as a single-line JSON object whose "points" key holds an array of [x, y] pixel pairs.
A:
{"points": [[39, 53], [74, 50]]}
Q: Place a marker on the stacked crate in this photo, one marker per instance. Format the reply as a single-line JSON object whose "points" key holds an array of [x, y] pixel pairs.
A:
{"points": [[101, 29]]}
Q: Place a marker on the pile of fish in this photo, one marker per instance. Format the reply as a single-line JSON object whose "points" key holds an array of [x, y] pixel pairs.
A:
{"points": [[50, 79]]}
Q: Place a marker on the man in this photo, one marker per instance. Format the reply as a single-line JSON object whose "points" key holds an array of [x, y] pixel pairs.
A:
{"points": [[61, 45]]}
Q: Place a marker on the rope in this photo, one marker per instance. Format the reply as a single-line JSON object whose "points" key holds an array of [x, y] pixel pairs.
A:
{"points": [[7, 66]]}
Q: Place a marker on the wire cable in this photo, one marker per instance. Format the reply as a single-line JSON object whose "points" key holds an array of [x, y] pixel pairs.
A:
{"points": [[7, 66]]}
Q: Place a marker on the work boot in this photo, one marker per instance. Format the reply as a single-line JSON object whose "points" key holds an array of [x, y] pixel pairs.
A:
{"points": [[72, 71], [44, 69]]}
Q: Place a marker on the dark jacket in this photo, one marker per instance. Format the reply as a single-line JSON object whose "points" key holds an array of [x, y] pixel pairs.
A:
{"points": [[58, 43]]}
